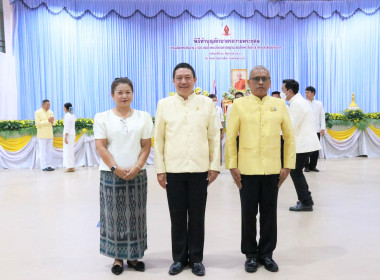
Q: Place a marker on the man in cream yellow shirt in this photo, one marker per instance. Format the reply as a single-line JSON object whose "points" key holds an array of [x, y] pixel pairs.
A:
{"points": [[44, 119], [259, 119], [187, 161]]}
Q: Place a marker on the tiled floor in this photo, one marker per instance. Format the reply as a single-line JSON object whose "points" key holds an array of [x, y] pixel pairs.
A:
{"points": [[48, 227]]}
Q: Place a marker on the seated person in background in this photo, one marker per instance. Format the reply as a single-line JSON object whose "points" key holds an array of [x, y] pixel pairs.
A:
{"points": [[237, 95], [276, 94]]}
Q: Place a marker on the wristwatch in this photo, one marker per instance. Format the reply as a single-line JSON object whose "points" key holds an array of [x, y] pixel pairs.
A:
{"points": [[113, 168]]}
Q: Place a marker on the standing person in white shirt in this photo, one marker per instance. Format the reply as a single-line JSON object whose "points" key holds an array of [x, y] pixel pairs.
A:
{"points": [[277, 94], [187, 161], [320, 126], [219, 112], [69, 138], [302, 117], [123, 140]]}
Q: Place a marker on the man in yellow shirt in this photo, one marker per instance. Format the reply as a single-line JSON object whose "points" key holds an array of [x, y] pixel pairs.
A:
{"points": [[259, 119], [187, 161], [44, 119]]}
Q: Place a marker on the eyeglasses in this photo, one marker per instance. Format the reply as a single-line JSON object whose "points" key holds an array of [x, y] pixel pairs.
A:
{"points": [[257, 79], [124, 126]]}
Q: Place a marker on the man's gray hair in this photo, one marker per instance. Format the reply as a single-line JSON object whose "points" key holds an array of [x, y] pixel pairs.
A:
{"points": [[258, 67]]}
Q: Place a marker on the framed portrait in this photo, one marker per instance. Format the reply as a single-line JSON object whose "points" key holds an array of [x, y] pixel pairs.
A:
{"points": [[239, 79]]}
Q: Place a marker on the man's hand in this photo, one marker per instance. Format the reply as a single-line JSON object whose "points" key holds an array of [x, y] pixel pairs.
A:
{"points": [[283, 175], [322, 132], [236, 176], [66, 141], [51, 119], [131, 173], [161, 178], [211, 176]]}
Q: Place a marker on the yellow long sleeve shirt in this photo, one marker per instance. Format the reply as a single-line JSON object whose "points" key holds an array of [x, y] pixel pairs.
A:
{"points": [[187, 135], [259, 123], [44, 127]]}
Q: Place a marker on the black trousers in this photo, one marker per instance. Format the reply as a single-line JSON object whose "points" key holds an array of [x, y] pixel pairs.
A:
{"points": [[313, 159], [299, 180], [187, 195], [259, 192]]}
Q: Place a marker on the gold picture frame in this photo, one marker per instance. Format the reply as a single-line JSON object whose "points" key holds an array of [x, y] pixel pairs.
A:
{"points": [[239, 79]]}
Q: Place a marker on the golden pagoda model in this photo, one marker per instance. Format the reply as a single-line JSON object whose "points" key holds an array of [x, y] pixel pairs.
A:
{"points": [[353, 105]]}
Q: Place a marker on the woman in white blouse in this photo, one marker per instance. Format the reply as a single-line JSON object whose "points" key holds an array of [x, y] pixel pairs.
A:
{"points": [[69, 138], [123, 141]]}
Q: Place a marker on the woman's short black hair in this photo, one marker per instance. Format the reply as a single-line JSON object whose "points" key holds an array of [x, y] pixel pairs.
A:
{"points": [[68, 105]]}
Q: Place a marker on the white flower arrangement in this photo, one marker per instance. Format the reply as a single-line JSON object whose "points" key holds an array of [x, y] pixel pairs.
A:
{"points": [[228, 95]]}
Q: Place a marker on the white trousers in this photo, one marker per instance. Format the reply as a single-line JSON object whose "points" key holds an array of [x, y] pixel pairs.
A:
{"points": [[46, 149], [68, 152]]}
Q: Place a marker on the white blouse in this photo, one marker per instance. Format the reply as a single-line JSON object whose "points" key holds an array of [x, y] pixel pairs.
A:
{"points": [[123, 136], [69, 124]]}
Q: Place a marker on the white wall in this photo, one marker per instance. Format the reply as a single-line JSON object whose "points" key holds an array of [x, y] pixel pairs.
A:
{"points": [[8, 87]]}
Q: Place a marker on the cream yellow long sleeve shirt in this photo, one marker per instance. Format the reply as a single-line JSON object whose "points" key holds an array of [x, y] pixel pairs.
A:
{"points": [[187, 135], [259, 123], [44, 127]]}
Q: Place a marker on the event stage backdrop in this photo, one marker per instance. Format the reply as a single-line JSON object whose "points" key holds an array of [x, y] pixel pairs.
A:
{"points": [[70, 51]]}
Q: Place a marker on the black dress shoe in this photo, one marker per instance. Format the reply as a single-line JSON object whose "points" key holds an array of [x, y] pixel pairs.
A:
{"points": [[50, 169], [45, 169], [117, 269], [176, 268], [139, 266], [198, 269], [251, 264], [269, 264], [307, 169], [301, 207], [314, 169]]}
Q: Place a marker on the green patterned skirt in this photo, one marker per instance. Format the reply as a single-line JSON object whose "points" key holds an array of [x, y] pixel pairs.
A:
{"points": [[123, 233]]}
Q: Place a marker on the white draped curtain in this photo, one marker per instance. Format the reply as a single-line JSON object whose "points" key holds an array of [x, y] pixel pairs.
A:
{"points": [[70, 51]]}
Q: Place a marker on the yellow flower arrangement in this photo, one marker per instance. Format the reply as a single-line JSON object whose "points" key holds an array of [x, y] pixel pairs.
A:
{"points": [[197, 91]]}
